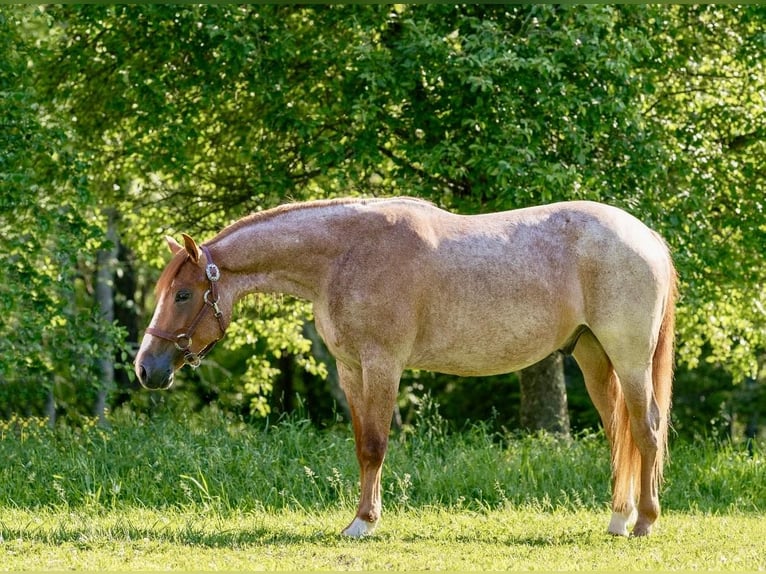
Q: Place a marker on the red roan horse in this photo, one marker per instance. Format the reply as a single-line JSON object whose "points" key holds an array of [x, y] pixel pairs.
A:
{"points": [[399, 283]]}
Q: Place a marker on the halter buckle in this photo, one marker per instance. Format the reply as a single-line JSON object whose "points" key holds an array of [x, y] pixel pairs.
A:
{"points": [[213, 304]]}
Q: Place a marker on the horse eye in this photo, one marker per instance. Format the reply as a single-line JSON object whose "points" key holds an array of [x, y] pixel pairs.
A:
{"points": [[182, 296]]}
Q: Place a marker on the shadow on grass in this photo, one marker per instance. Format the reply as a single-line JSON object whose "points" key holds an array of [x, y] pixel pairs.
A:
{"points": [[80, 532], [85, 537]]}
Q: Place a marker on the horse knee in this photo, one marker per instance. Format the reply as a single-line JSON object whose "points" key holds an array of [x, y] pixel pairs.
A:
{"points": [[371, 450]]}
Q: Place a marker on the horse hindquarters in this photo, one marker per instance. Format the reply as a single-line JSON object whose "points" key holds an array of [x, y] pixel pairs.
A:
{"points": [[634, 405]]}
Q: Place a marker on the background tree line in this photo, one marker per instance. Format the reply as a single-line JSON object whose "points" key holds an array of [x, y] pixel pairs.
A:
{"points": [[124, 123]]}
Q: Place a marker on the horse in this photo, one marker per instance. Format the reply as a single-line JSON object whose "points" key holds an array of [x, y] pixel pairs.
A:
{"points": [[399, 283]]}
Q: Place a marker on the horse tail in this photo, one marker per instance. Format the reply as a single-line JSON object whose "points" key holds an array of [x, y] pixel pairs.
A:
{"points": [[662, 371], [626, 458]]}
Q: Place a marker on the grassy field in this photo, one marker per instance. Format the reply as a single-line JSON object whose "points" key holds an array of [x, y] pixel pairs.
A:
{"points": [[206, 493], [418, 539]]}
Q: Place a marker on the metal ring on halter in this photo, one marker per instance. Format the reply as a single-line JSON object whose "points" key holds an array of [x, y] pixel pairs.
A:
{"points": [[192, 359], [180, 338]]}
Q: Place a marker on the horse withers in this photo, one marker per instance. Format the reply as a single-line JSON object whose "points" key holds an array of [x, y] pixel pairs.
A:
{"points": [[399, 283]]}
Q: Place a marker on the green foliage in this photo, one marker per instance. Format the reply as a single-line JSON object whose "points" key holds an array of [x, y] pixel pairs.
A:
{"points": [[49, 334], [488, 108], [271, 332], [713, 69], [184, 118]]}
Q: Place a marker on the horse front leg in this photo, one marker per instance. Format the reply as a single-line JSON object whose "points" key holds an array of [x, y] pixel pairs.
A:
{"points": [[371, 394]]}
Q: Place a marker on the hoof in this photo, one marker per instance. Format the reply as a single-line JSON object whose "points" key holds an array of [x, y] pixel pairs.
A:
{"points": [[642, 529], [618, 525], [359, 528]]}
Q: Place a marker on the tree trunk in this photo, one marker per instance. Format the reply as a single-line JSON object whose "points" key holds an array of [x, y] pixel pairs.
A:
{"points": [[285, 386], [544, 397], [50, 408], [754, 395], [105, 301]]}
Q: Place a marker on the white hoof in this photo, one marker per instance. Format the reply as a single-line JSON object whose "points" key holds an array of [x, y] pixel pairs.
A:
{"points": [[618, 525], [359, 528]]}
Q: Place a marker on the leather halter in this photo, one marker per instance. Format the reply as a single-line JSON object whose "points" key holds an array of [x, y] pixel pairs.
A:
{"points": [[183, 339]]}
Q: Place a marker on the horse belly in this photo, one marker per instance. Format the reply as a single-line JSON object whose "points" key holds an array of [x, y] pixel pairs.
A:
{"points": [[488, 343]]}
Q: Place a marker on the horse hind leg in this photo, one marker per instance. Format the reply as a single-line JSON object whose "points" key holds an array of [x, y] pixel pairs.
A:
{"points": [[604, 389], [645, 428]]}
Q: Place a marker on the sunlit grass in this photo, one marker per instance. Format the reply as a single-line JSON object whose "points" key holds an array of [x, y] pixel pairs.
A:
{"points": [[422, 539]]}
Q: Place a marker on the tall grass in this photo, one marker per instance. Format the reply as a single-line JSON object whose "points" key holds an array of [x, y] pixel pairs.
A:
{"points": [[207, 461]]}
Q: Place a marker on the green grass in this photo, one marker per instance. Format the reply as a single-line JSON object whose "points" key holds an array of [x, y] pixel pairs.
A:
{"points": [[418, 539], [207, 493]]}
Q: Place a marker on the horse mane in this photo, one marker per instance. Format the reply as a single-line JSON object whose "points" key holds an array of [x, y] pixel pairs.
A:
{"points": [[170, 271], [267, 214]]}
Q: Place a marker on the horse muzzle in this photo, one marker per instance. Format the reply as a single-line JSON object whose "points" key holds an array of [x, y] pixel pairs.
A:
{"points": [[153, 374]]}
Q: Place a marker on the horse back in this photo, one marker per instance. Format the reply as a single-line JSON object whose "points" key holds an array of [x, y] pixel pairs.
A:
{"points": [[484, 294]]}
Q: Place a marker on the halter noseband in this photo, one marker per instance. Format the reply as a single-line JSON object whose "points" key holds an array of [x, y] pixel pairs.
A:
{"points": [[183, 340]]}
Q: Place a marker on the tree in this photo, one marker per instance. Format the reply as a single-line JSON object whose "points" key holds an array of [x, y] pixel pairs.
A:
{"points": [[106, 259], [541, 386], [709, 80], [47, 337], [227, 109]]}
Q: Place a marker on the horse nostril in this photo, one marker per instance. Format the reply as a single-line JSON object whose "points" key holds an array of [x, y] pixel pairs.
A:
{"points": [[141, 374]]}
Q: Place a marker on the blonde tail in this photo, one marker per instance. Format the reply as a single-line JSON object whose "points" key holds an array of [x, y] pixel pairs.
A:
{"points": [[626, 458], [662, 372]]}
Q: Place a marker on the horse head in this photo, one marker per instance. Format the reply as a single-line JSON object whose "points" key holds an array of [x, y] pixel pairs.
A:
{"points": [[187, 321]]}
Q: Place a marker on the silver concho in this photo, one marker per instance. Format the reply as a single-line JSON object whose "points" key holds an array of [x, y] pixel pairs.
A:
{"points": [[212, 272]]}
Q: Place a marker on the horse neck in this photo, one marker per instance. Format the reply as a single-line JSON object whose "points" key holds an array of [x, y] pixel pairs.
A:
{"points": [[287, 253]]}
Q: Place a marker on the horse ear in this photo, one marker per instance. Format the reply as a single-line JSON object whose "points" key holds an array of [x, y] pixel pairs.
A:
{"points": [[191, 248], [175, 247]]}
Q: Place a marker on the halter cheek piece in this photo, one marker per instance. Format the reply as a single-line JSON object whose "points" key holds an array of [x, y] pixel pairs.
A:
{"points": [[183, 340]]}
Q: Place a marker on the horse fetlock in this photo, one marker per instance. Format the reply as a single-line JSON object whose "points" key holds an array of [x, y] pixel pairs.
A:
{"points": [[647, 516], [371, 516], [649, 512]]}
